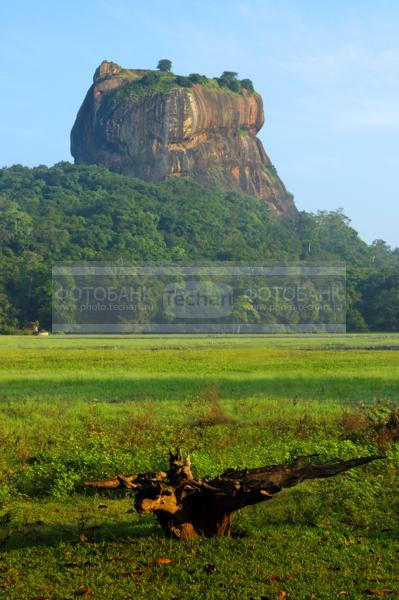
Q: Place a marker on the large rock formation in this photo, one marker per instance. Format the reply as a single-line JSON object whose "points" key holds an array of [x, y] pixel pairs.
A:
{"points": [[143, 124]]}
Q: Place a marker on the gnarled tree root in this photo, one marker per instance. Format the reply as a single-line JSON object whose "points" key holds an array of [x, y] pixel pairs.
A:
{"points": [[186, 507]]}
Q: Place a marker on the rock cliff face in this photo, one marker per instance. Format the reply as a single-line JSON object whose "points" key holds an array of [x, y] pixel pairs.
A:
{"points": [[153, 131]]}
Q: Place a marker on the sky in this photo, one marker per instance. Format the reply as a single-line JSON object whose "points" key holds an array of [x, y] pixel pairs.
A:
{"points": [[328, 73]]}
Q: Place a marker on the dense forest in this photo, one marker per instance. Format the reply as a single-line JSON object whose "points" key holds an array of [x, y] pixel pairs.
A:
{"points": [[79, 212]]}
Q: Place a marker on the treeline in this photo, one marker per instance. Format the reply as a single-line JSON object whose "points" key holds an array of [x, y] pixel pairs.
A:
{"points": [[81, 212]]}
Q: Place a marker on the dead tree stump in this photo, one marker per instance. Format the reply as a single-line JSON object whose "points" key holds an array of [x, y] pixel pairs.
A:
{"points": [[186, 507]]}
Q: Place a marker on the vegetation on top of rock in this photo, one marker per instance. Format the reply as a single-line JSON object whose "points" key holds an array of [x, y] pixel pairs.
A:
{"points": [[197, 78], [183, 81], [163, 80], [247, 85], [165, 65], [229, 80], [152, 82], [150, 79]]}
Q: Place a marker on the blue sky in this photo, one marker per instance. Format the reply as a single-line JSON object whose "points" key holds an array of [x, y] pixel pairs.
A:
{"points": [[328, 73]]}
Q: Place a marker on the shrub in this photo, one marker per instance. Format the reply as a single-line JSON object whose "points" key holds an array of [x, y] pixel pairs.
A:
{"points": [[211, 412], [234, 86], [150, 79], [354, 421], [183, 81], [197, 78], [242, 131], [228, 80], [247, 85], [140, 428], [378, 423]]}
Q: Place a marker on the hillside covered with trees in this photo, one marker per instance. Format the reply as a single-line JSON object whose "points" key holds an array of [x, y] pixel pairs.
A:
{"points": [[81, 212]]}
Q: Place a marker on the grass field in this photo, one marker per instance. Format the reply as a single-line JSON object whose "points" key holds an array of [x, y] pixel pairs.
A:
{"points": [[73, 408]]}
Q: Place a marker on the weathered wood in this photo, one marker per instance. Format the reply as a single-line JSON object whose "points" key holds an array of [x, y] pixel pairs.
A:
{"points": [[132, 481], [187, 507]]}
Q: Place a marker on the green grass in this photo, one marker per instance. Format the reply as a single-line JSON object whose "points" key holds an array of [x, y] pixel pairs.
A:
{"points": [[82, 407], [242, 132]]}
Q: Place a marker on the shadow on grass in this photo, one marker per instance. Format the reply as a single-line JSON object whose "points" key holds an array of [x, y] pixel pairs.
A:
{"points": [[130, 533], [359, 388], [51, 535]]}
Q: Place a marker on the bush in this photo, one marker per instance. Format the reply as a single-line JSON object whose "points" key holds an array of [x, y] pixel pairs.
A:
{"points": [[242, 131], [234, 86], [150, 79], [183, 81], [197, 78], [229, 82], [247, 85]]}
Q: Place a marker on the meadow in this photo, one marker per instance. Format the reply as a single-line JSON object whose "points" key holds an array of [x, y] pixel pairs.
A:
{"points": [[75, 408]]}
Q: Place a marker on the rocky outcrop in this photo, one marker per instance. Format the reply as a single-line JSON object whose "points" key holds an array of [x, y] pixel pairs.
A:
{"points": [[153, 131]]}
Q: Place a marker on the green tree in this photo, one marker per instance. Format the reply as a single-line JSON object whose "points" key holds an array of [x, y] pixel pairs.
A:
{"points": [[379, 299], [85, 212], [244, 312], [229, 79], [15, 225], [164, 65], [197, 78], [229, 75], [247, 85]]}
